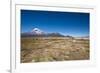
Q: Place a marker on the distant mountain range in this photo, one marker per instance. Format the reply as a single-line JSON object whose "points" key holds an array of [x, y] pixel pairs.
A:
{"points": [[37, 32]]}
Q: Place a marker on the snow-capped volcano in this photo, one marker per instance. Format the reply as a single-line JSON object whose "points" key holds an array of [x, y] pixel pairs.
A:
{"points": [[37, 31]]}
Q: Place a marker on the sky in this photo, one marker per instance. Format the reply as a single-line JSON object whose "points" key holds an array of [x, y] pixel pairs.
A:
{"points": [[66, 23]]}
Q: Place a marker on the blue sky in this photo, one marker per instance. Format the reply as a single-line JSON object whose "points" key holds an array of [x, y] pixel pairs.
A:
{"points": [[66, 23]]}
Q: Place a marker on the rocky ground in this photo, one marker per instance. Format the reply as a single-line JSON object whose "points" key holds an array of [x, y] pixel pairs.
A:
{"points": [[42, 49]]}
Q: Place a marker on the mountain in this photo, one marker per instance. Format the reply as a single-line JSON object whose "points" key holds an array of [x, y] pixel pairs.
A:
{"points": [[36, 32], [55, 34]]}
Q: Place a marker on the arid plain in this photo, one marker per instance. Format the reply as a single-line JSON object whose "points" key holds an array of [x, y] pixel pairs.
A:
{"points": [[48, 49]]}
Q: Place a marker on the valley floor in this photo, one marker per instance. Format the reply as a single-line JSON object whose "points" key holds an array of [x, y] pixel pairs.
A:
{"points": [[42, 49]]}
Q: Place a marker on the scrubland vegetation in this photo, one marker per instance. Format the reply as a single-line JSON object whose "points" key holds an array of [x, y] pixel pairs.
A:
{"points": [[47, 49]]}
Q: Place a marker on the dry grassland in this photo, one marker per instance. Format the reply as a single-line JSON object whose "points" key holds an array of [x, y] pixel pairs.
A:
{"points": [[44, 49]]}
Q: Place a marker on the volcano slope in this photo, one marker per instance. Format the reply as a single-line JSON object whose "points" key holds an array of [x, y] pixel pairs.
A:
{"points": [[47, 49]]}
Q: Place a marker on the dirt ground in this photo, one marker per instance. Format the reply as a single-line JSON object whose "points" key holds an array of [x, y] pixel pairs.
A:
{"points": [[47, 49]]}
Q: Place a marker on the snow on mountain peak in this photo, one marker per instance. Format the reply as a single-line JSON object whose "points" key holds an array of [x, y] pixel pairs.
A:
{"points": [[37, 31]]}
